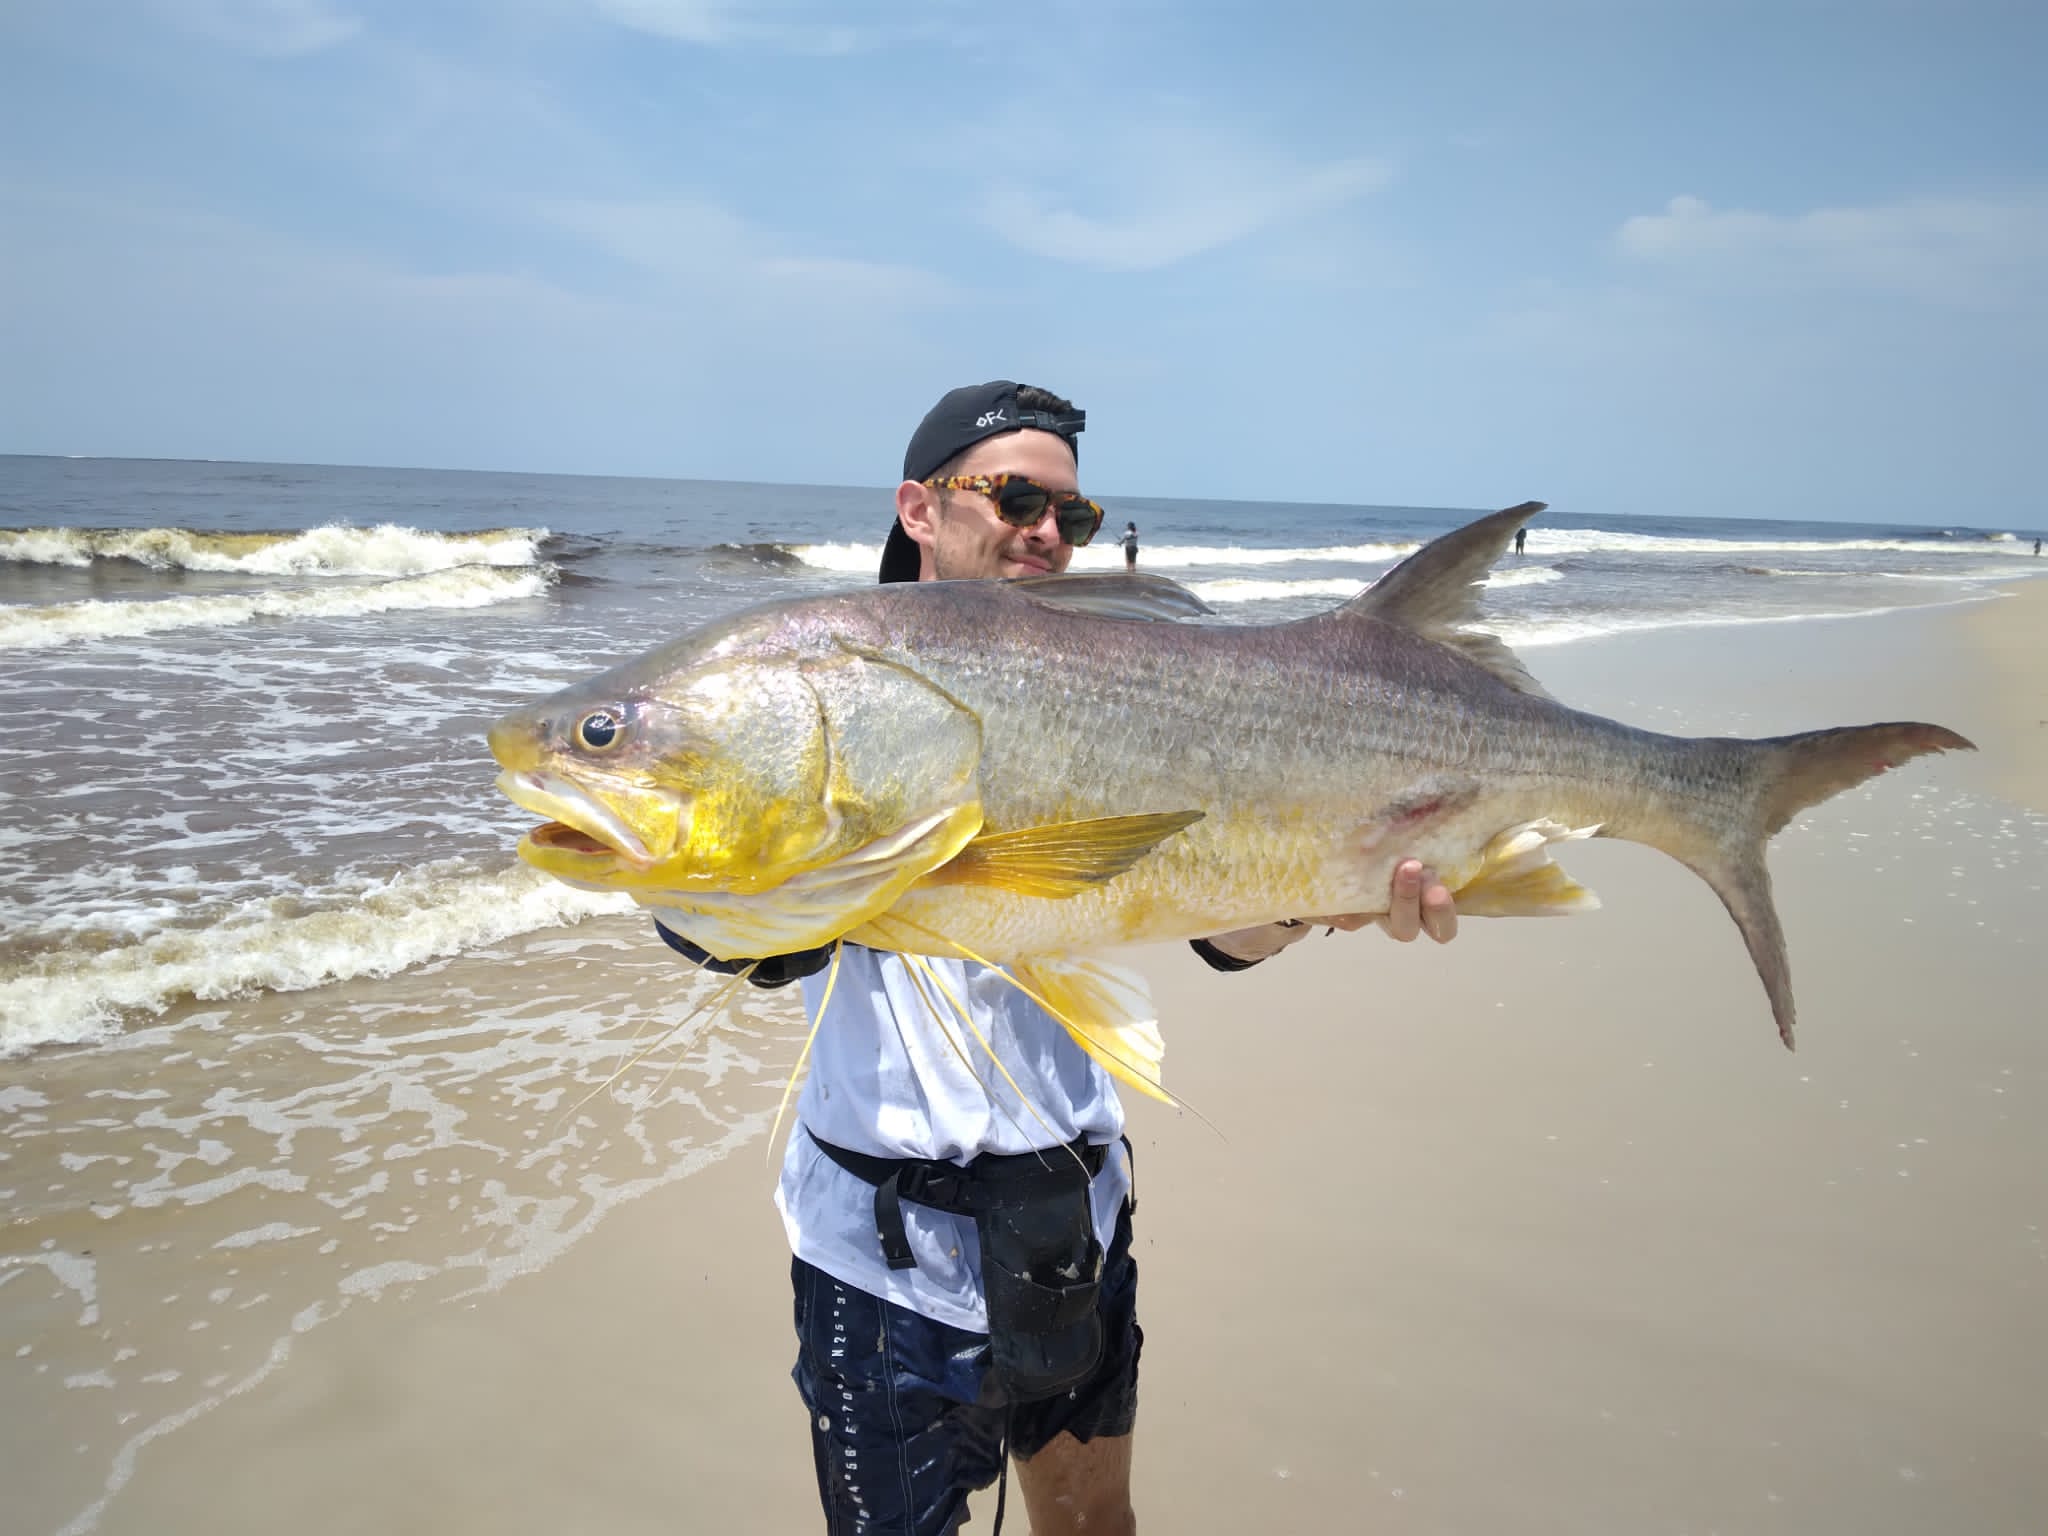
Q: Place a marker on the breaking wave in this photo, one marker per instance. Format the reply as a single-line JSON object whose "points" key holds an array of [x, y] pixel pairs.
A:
{"points": [[466, 586], [1530, 633], [1104, 555], [1244, 589], [333, 550], [1522, 576], [861, 558], [1248, 589], [73, 996], [1581, 541], [774, 556]]}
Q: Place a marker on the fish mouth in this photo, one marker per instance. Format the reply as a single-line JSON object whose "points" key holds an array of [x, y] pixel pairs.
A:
{"points": [[578, 824]]}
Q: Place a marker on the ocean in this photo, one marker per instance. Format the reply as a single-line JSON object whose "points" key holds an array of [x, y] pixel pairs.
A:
{"points": [[283, 1024]]}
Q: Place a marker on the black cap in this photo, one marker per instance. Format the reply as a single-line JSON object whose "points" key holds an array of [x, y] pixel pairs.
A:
{"points": [[960, 420]]}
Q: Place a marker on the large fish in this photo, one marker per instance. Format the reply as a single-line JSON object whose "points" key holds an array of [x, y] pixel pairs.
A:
{"points": [[1031, 772]]}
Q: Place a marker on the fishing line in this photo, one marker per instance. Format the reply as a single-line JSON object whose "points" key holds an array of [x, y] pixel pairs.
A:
{"points": [[717, 1000], [797, 1071]]}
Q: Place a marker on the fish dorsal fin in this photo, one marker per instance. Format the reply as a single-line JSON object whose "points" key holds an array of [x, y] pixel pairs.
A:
{"points": [[1123, 595], [1063, 859], [1435, 592]]}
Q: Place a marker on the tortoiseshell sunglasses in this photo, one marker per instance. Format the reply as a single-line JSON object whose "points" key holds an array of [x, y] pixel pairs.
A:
{"points": [[1021, 503]]}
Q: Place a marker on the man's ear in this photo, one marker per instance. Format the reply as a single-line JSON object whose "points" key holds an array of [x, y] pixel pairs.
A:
{"points": [[917, 510]]}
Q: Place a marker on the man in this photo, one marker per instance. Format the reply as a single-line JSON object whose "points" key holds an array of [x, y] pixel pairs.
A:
{"points": [[916, 1398], [1129, 540]]}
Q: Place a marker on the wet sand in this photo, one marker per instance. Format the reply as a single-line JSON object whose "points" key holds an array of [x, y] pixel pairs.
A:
{"points": [[1540, 1233]]}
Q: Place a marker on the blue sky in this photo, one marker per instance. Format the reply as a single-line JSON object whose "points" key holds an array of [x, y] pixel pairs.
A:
{"points": [[1708, 258]]}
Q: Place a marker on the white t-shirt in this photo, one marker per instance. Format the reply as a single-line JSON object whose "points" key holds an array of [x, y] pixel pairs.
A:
{"points": [[894, 1074]]}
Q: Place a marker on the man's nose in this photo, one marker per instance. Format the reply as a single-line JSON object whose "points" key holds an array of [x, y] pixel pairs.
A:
{"points": [[1047, 529]]}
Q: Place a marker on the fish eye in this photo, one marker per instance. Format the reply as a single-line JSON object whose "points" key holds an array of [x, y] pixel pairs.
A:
{"points": [[599, 730]]}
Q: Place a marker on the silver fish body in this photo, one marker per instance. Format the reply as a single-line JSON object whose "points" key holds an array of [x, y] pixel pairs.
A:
{"points": [[1064, 765]]}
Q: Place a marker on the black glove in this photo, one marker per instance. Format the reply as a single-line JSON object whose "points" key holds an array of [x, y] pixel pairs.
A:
{"points": [[771, 971]]}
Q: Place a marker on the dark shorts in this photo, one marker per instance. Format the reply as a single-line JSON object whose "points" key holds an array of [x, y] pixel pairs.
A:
{"points": [[905, 1422]]}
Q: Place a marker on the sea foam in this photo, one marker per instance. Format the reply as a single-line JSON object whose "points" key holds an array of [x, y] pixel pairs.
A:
{"points": [[467, 586], [334, 549], [71, 996]]}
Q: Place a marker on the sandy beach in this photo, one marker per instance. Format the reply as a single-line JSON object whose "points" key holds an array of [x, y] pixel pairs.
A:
{"points": [[1541, 1233]]}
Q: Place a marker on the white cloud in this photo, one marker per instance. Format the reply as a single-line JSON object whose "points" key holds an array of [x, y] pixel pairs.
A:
{"points": [[1176, 204], [277, 28], [701, 245], [727, 23], [1969, 252]]}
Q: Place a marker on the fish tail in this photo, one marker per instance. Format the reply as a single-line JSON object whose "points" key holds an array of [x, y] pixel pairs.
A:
{"points": [[1781, 776]]}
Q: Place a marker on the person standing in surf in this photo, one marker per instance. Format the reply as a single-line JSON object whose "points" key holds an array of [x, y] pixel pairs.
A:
{"points": [[964, 1285]]}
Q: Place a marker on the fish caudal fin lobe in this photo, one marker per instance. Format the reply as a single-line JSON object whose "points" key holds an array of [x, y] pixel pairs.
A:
{"points": [[1109, 1012], [1788, 774], [1435, 593], [1813, 766]]}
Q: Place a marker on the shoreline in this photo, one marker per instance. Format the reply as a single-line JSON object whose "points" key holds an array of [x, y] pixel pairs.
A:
{"points": [[1541, 1233]]}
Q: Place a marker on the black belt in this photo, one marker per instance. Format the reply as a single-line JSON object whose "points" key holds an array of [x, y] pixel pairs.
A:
{"points": [[987, 1182]]}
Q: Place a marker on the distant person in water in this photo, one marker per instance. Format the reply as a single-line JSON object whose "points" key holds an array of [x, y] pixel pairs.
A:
{"points": [[1129, 539], [2037, 546], [1521, 538]]}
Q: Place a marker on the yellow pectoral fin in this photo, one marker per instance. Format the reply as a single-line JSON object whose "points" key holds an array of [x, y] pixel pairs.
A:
{"points": [[1517, 879], [1063, 859], [1107, 1009]]}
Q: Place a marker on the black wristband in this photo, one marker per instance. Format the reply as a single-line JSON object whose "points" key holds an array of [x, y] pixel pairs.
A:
{"points": [[769, 971], [1217, 960]]}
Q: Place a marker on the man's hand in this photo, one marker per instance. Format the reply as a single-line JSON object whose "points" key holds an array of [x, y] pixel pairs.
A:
{"points": [[1417, 903], [1420, 903]]}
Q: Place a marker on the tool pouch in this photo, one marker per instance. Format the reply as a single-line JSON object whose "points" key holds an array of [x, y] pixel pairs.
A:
{"points": [[1041, 1267], [1041, 1263]]}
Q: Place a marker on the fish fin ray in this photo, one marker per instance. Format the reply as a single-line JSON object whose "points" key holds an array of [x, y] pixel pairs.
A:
{"points": [[1516, 877], [804, 1055], [1063, 859], [1108, 1011], [1028, 977], [1435, 593]]}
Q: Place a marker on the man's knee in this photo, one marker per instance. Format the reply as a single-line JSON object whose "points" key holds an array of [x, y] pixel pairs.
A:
{"points": [[1079, 1488]]}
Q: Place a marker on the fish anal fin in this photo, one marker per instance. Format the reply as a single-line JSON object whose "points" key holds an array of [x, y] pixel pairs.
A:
{"points": [[1107, 1009], [1062, 859], [1435, 593], [1516, 878]]}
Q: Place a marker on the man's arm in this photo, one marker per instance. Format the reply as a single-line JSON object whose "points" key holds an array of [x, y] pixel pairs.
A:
{"points": [[1418, 903]]}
